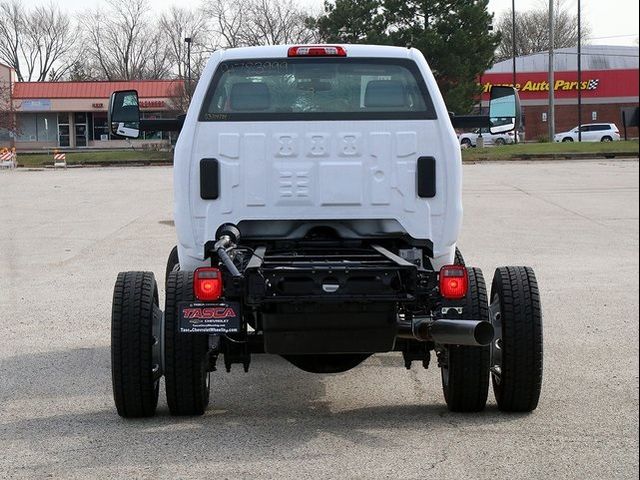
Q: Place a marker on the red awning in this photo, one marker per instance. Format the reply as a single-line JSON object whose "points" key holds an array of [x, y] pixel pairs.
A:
{"points": [[146, 89]]}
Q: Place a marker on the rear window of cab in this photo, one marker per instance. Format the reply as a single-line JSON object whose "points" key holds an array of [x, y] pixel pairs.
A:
{"points": [[289, 89]]}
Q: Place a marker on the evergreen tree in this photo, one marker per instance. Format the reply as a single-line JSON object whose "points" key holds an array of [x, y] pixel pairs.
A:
{"points": [[454, 35]]}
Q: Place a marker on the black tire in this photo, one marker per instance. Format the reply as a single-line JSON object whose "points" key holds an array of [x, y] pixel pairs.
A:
{"points": [[500, 142], [567, 139], [466, 143], [465, 369], [172, 261], [606, 138], [518, 382], [459, 259], [186, 356], [134, 372]]}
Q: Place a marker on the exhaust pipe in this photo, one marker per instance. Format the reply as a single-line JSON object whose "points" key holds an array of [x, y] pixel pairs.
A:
{"points": [[448, 332]]}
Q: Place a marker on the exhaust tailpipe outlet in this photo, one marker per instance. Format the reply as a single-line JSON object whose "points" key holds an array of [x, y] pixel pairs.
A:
{"points": [[461, 332], [448, 332]]}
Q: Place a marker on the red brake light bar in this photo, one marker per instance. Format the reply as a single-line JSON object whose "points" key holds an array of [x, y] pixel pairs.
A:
{"points": [[317, 51], [207, 284], [454, 282]]}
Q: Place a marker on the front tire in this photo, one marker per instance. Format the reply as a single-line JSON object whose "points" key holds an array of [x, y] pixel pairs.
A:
{"points": [[606, 139], [517, 349], [500, 142], [136, 323], [465, 369], [567, 139], [186, 354]]}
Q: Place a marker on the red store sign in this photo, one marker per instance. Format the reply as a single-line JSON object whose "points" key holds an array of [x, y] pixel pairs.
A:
{"points": [[152, 103], [595, 83]]}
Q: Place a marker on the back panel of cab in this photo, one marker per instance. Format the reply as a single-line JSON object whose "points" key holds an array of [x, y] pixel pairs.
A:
{"points": [[317, 170]]}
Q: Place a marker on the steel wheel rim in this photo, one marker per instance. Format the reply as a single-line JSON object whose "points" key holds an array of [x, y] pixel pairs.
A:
{"points": [[157, 347], [495, 315]]}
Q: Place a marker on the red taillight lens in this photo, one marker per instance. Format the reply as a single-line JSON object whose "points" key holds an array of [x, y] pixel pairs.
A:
{"points": [[207, 284], [317, 51], [454, 282]]}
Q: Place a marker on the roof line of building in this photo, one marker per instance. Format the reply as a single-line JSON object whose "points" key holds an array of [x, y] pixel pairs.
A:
{"points": [[102, 81]]}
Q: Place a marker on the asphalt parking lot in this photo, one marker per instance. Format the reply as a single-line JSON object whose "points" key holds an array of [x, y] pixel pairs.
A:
{"points": [[64, 235]]}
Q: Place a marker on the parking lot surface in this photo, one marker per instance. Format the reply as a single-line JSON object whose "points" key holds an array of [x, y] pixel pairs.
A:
{"points": [[64, 235]]}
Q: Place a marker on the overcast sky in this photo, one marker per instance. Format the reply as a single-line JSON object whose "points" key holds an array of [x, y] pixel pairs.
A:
{"points": [[612, 22]]}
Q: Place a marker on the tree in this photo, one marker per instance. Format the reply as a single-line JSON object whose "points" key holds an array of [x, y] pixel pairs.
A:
{"points": [[178, 24], [454, 36], [122, 43], [276, 22], [257, 22], [39, 43], [532, 31], [8, 126]]}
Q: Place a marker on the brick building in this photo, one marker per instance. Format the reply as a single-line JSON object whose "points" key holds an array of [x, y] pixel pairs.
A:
{"points": [[610, 82], [74, 114]]}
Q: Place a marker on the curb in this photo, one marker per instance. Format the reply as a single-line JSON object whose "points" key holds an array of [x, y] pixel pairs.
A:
{"points": [[106, 163], [557, 157]]}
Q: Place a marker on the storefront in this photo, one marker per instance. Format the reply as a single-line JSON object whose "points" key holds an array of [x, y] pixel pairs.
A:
{"points": [[74, 114], [609, 85]]}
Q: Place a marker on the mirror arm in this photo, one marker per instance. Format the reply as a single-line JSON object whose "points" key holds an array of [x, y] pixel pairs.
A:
{"points": [[470, 121], [162, 124]]}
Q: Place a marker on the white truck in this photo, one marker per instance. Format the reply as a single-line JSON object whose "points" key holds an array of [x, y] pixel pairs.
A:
{"points": [[317, 209]]}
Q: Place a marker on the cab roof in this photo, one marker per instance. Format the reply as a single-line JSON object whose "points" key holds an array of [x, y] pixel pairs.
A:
{"points": [[281, 51]]}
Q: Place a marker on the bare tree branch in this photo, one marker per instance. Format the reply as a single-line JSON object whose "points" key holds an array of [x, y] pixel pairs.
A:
{"points": [[178, 24], [7, 116], [37, 43], [123, 43], [258, 22], [12, 25]]}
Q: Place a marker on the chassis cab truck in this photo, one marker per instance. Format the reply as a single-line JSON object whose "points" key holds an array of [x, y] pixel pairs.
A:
{"points": [[317, 209]]}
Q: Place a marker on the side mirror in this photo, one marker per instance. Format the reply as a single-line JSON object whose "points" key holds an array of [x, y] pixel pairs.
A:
{"points": [[124, 114], [504, 109]]}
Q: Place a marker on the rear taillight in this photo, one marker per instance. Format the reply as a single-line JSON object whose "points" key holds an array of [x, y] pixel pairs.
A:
{"points": [[453, 282], [207, 284], [317, 51]]}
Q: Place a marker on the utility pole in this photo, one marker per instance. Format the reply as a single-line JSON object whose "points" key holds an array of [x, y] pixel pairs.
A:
{"points": [[513, 36], [552, 114], [579, 74], [188, 41]]}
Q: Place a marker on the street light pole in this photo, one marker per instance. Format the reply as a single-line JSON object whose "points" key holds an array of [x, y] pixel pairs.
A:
{"points": [[579, 74], [513, 36], [188, 41], [552, 115], [513, 44]]}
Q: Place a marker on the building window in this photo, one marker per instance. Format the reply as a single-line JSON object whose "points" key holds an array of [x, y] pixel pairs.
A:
{"points": [[100, 127], [151, 135], [37, 127]]}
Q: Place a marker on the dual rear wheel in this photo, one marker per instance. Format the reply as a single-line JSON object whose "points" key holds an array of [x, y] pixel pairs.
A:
{"points": [[514, 359], [145, 345]]}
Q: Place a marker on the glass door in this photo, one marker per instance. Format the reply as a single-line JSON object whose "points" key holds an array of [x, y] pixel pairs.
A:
{"points": [[81, 130], [63, 129]]}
